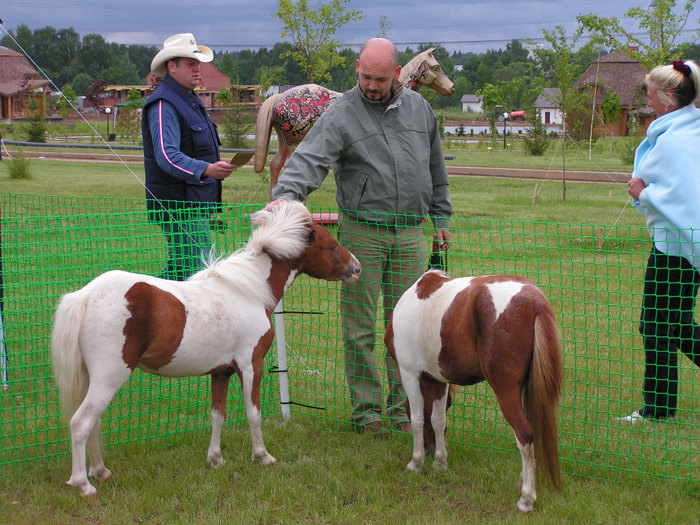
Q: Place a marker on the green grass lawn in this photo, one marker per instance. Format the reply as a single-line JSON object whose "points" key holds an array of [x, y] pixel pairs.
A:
{"points": [[588, 253]]}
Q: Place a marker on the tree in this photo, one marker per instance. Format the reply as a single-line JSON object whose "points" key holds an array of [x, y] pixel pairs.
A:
{"points": [[657, 42], [311, 32], [82, 84], [128, 122], [504, 97], [65, 104], [536, 141], [36, 123], [612, 107], [565, 73], [93, 97], [270, 76], [384, 25]]}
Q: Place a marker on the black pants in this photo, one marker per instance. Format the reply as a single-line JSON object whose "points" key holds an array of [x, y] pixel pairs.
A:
{"points": [[667, 324]]}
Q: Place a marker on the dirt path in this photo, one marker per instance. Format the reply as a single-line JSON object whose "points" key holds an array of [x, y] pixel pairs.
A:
{"points": [[464, 171]]}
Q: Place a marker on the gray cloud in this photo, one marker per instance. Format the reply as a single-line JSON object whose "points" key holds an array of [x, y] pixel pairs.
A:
{"points": [[468, 25]]}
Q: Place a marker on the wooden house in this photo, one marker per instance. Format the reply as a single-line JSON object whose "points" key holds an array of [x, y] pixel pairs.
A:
{"points": [[618, 73], [18, 82]]}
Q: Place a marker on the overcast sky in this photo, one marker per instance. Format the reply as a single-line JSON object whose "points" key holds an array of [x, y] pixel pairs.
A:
{"points": [[467, 25]]}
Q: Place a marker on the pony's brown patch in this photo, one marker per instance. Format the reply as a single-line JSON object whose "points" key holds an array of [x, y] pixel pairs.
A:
{"points": [[460, 331], [431, 281], [257, 359], [155, 328]]}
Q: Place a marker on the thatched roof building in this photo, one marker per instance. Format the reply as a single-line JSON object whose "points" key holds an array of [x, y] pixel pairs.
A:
{"points": [[17, 79], [623, 75]]}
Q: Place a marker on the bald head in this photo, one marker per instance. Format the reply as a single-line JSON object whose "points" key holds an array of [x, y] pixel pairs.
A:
{"points": [[381, 47], [377, 68]]}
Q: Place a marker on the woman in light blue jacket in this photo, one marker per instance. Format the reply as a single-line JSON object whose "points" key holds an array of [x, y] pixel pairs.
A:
{"points": [[665, 186]]}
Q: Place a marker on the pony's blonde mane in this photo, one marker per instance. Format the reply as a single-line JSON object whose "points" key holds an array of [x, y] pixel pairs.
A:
{"points": [[281, 233]]}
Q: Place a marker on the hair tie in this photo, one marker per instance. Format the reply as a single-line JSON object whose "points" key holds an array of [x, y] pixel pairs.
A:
{"points": [[681, 66]]}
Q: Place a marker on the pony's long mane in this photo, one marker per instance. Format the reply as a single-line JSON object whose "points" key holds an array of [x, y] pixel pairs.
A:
{"points": [[280, 232]]}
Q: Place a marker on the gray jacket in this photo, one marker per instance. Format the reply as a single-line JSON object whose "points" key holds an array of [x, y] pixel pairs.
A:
{"points": [[387, 160]]}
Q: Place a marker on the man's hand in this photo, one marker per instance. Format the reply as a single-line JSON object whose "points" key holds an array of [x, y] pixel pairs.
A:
{"points": [[220, 170], [274, 204], [444, 238]]}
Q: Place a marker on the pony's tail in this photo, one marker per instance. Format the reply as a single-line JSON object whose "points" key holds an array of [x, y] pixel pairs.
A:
{"points": [[69, 369], [263, 130], [542, 394]]}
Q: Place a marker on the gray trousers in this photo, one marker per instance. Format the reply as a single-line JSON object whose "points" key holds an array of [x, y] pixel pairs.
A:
{"points": [[392, 259], [188, 241]]}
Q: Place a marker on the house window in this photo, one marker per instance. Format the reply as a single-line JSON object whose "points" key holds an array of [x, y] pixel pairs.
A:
{"points": [[547, 119]]}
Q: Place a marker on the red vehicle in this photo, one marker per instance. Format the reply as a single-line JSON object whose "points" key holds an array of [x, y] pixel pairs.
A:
{"points": [[517, 115]]}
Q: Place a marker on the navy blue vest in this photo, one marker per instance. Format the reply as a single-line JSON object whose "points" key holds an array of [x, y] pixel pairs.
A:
{"points": [[198, 139]]}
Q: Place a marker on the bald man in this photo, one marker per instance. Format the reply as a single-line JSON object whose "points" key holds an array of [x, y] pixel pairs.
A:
{"points": [[383, 143]]}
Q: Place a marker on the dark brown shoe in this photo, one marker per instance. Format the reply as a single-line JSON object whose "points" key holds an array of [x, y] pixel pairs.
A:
{"points": [[373, 428]]}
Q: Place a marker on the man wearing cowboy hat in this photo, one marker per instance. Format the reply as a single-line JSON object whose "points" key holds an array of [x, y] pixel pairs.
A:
{"points": [[181, 156]]}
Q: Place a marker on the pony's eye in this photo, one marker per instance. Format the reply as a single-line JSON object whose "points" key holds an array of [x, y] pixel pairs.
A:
{"points": [[335, 248]]}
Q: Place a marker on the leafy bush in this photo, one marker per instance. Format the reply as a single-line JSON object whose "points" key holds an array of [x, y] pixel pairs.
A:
{"points": [[36, 128], [236, 124], [536, 141], [626, 147], [19, 166]]}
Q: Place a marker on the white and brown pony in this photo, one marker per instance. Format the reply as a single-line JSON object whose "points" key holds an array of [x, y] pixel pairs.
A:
{"points": [[466, 330], [294, 112], [218, 322]]}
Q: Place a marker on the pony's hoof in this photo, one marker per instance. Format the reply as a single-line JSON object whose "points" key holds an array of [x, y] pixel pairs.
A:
{"points": [[268, 460], [524, 505], [439, 465], [216, 461], [413, 467], [86, 489], [100, 473]]}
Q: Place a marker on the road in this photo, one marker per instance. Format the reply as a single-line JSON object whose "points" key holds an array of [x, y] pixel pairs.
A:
{"points": [[463, 171]]}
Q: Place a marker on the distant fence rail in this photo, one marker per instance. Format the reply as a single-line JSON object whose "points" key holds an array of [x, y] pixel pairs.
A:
{"points": [[591, 273]]}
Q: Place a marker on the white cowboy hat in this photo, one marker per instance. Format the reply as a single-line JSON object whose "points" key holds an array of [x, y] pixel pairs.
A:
{"points": [[181, 45]]}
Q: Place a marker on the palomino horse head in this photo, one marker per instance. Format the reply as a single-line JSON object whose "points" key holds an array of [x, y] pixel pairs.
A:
{"points": [[424, 71], [292, 113]]}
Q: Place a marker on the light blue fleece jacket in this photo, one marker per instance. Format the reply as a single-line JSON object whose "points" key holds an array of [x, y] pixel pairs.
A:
{"points": [[668, 161]]}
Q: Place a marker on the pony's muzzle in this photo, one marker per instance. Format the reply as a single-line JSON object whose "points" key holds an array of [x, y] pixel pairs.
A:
{"points": [[354, 271]]}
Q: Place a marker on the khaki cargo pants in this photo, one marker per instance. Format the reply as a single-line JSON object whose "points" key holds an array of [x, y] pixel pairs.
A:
{"points": [[392, 259]]}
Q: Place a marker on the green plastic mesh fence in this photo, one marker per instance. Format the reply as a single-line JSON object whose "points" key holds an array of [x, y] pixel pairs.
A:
{"points": [[593, 276]]}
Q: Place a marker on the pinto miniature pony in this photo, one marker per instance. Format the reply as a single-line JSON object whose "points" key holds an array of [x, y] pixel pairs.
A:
{"points": [[218, 322], [294, 112], [462, 331]]}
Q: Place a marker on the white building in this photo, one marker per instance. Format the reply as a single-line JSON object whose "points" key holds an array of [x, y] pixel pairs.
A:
{"points": [[547, 106], [471, 103]]}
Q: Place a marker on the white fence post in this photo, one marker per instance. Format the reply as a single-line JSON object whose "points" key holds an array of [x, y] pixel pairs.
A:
{"points": [[282, 359]]}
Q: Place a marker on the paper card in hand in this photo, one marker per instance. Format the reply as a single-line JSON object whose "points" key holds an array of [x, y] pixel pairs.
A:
{"points": [[241, 159]]}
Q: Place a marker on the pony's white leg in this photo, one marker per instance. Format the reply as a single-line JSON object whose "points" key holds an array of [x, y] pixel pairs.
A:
{"points": [[219, 393], [254, 417], [527, 476], [415, 399], [214, 457], [97, 466], [82, 425], [439, 421], [84, 429]]}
